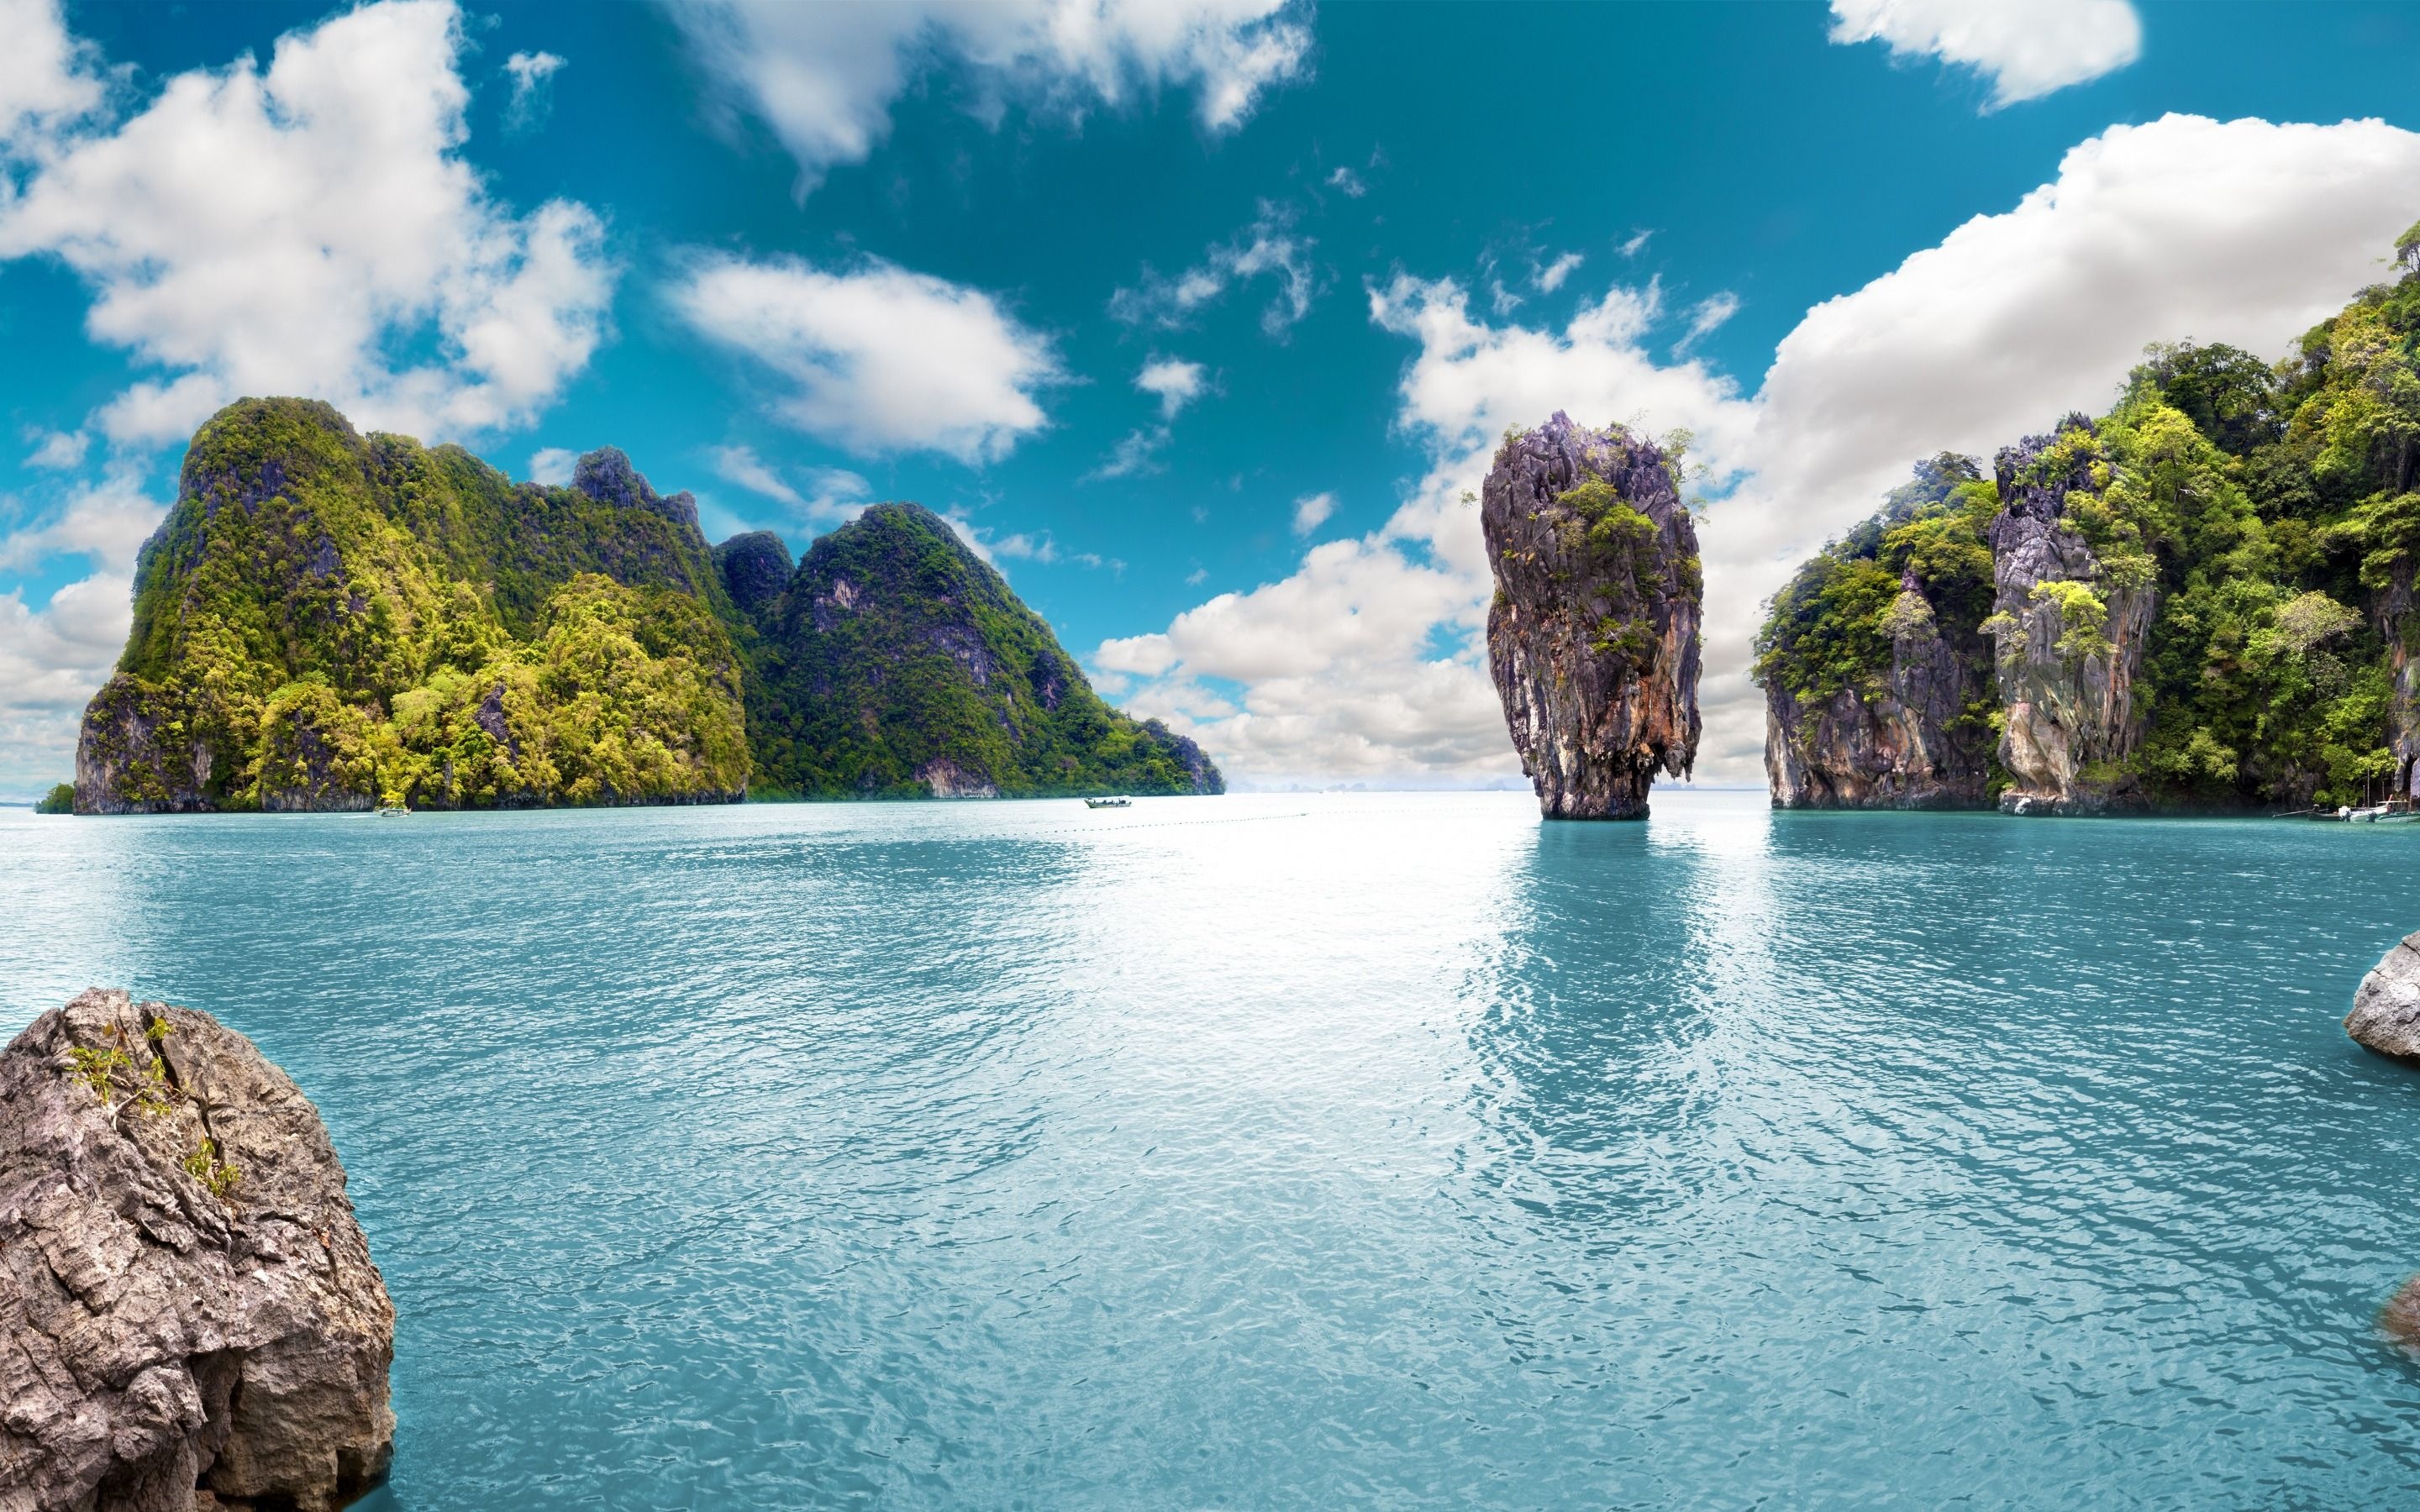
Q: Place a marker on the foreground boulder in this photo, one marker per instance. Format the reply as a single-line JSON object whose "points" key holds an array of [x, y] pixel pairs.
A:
{"points": [[1592, 639], [2385, 1014], [189, 1315]]}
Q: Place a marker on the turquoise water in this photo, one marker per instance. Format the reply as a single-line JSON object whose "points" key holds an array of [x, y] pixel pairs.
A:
{"points": [[1267, 1151]]}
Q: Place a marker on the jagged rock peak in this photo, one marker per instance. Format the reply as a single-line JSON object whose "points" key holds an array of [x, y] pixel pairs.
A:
{"points": [[1592, 637], [606, 476], [189, 1315]]}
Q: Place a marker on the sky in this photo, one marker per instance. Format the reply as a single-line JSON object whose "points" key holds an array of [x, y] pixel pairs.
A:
{"points": [[1198, 318]]}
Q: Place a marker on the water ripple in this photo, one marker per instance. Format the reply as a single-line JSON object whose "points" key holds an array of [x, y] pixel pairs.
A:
{"points": [[1302, 1151]]}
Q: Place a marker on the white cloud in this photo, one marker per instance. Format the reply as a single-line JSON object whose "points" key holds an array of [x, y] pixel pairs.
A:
{"points": [[1268, 247], [1137, 453], [1550, 277], [2241, 232], [552, 465], [878, 358], [2026, 48], [1348, 182], [1311, 510], [824, 77], [47, 77], [1704, 317], [105, 522], [832, 496], [286, 230], [1176, 381], [60, 449], [51, 659], [836, 494], [1636, 244], [742, 466], [529, 73]]}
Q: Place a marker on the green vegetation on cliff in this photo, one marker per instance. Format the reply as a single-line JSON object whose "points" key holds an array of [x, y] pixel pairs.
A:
{"points": [[2269, 512], [1832, 625], [60, 799], [333, 621], [897, 662], [328, 621]]}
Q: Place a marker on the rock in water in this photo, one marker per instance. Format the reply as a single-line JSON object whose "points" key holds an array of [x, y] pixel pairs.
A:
{"points": [[189, 1315], [1592, 639], [2399, 1320], [2387, 1007]]}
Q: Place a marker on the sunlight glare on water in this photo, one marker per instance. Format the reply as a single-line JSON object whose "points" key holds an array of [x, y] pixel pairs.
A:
{"points": [[1306, 1151]]}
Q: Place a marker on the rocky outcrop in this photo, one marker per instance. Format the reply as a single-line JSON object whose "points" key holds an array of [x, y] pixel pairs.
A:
{"points": [[606, 476], [2070, 641], [1910, 746], [189, 1315], [2386, 1006], [1592, 639]]}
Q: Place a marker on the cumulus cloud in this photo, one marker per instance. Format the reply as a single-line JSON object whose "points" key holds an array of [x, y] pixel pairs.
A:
{"points": [[742, 466], [824, 77], [1550, 277], [2026, 48], [1176, 382], [60, 449], [831, 495], [1366, 661], [531, 73], [1706, 316], [1136, 453], [877, 358], [1347, 182], [51, 660], [105, 522], [288, 230], [1311, 510], [552, 465], [1270, 247], [47, 77]]}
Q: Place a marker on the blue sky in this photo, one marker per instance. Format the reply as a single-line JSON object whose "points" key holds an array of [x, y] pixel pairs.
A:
{"points": [[1197, 315]]}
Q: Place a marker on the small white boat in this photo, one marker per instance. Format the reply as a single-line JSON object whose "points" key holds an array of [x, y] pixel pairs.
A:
{"points": [[392, 808], [2367, 816], [1107, 803]]}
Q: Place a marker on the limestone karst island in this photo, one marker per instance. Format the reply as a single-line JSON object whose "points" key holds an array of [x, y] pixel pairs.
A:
{"points": [[1208, 754]]}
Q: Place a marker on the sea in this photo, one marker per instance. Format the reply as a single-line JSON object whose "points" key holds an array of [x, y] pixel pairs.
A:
{"points": [[1277, 1151]]}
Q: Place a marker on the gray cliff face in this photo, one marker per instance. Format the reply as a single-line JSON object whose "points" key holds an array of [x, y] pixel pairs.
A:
{"points": [[2071, 714], [1908, 748], [1592, 640], [173, 1335], [2399, 622], [2385, 1014]]}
